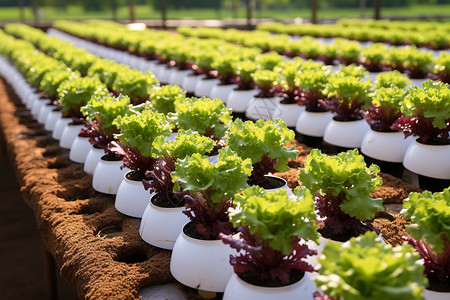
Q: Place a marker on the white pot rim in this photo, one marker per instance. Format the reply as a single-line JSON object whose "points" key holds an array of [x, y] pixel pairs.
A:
{"points": [[110, 162], [272, 289]]}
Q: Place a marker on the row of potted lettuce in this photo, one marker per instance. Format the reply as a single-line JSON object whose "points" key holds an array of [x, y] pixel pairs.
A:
{"points": [[313, 83], [193, 166], [375, 57], [392, 32]]}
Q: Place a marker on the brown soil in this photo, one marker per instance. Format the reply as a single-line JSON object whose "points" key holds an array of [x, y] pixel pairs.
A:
{"points": [[328, 233], [165, 200], [72, 218], [392, 231]]}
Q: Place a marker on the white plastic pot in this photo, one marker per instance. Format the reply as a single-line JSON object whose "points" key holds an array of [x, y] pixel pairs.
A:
{"points": [[107, 176], [131, 197], [222, 91], [428, 160], [238, 100], [238, 289], [69, 134], [178, 76], [61, 123], [80, 149], [262, 108], [161, 226], [164, 74], [92, 159], [289, 113], [190, 82], [385, 146], [37, 105], [51, 120], [201, 264], [313, 123], [204, 87], [43, 113], [432, 295], [348, 134]]}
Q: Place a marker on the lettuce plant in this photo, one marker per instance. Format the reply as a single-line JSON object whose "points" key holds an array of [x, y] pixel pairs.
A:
{"points": [[347, 97], [208, 189], [135, 85], [107, 71], [262, 142], [266, 81], [208, 117], [163, 98], [186, 144], [430, 234], [417, 63], [272, 224], [286, 87], [101, 112], [224, 67], [441, 69], [137, 138], [385, 108], [364, 268], [243, 70], [76, 92], [425, 113], [351, 71], [372, 57], [342, 185], [311, 84], [348, 52], [51, 81], [268, 61], [392, 79]]}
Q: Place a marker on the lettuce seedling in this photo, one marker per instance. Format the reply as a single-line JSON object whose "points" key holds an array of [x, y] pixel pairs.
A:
{"points": [[262, 142], [372, 57], [102, 111], [392, 79], [441, 69], [430, 234], [286, 87], [137, 138], [347, 97], [107, 71], [266, 82], [311, 84], [208, 189], [224, 67], [51, 81], [268, 61], [208, 117], [135, 85], [364, 268], [385, 108], [425, 113], [348, 52], [243, 70], [417, 63], [186, 144], [342, 185], [76, 92], [163, 98], [272, 224]]}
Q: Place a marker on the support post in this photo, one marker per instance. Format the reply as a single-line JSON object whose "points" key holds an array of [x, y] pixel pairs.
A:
{"points": [[164, 14], [314, 11], [249, 14], [131, 9], [34, 5], [21, 11], [377, 5]]}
